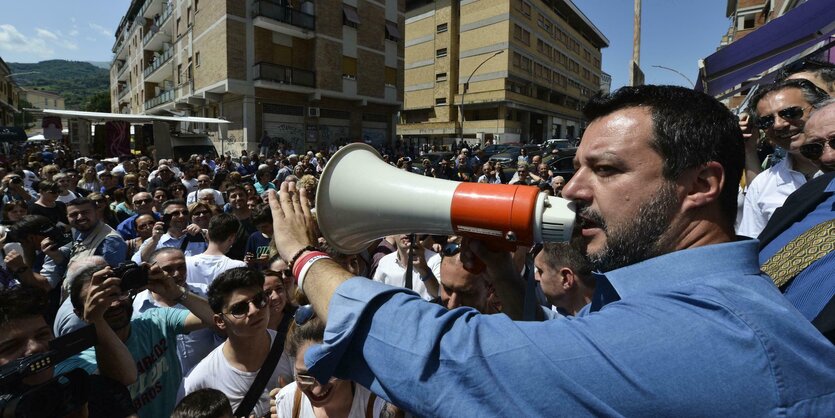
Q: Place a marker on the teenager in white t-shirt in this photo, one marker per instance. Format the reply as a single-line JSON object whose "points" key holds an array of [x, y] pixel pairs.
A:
{"points": [[306, 397], [240, 305], [222, 232]]}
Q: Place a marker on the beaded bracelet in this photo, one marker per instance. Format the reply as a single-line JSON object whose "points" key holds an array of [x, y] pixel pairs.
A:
{"points": [[298, 254]]}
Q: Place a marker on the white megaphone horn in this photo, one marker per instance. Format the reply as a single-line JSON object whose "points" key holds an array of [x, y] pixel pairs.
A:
{"points": [[361, 198]]}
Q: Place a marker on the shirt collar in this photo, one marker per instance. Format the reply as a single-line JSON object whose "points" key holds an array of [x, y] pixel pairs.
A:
{"points": [[695, 264]]}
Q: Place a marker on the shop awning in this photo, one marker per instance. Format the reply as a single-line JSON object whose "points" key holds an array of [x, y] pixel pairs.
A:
{"points": [[12, 134], [768, 46]]}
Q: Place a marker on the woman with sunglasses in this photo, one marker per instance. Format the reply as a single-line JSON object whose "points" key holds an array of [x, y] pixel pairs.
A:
{"points": [[103, 209], [125, 209], [309, 398], [178, 191], [201, 214]]}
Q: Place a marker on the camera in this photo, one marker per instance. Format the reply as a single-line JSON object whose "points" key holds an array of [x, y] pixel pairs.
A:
{"points": [[57, 397], [133, 276], [59, 236], [16, 180]]}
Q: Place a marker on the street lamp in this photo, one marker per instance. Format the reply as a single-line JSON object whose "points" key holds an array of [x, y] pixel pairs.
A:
{"points": [[464, 94], [677, 72]]}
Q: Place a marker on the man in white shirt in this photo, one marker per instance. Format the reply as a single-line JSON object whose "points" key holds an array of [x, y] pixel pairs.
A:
{"points": [[426, 267], [205, 267], [781, 110], [240, 306]]}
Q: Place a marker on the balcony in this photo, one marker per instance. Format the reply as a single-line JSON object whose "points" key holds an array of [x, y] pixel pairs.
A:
{"points": [[164, 97], [158, 62], [282, 74], [122, 73], [122, 93], [283, 19], [156, 25]]}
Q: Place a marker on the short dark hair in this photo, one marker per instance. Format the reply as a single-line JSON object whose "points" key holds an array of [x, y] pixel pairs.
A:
{"points": [[81, 279], [229, 281], [170, 202], [47, 185], [690, 129], [262, 214], [222, 226], [80, 201], [811, 93], [235, 189], [312, 331], [21, 302], [823, 69], [29, 225], [562, 254], [203, 403]]}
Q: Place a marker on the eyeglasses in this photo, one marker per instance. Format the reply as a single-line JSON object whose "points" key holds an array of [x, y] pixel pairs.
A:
{"points": [[789, 113], [814, 150], [146, 225], [451, 249], [200, 213], [142, 201], [306, 381], [241, 309]]}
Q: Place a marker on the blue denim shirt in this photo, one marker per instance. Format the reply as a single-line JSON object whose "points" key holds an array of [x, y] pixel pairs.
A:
{"points": [[698, 332]]}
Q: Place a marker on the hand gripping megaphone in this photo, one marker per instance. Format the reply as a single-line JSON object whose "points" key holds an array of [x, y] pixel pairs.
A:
{"points": [[361, 198]]}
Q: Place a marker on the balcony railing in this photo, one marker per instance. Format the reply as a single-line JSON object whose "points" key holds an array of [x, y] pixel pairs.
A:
{"points": [[283, 74], [164, 97], [162, 59], [145, 7], [122, 71], [185, 89], [158, 23], [284, 14], [122, 93]]}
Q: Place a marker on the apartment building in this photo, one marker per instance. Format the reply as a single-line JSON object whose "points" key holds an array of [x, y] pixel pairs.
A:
{"points": [[42, 99], [309, 73], [9, 96], [500, 70]]}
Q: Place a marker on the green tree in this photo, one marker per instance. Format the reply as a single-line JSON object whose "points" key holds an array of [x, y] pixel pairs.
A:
{"points": [[99, 102]]}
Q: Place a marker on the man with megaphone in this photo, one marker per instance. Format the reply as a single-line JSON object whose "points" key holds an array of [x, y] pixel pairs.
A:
{"points": [[682, 322]]}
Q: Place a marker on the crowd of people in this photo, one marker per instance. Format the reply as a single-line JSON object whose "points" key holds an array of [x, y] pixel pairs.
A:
{"points": [[659, 306]]}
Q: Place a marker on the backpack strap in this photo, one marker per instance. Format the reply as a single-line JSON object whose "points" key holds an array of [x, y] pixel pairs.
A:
{"points": [[369, 409]]}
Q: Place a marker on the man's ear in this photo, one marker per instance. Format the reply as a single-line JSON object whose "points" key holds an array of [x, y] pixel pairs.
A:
{"points": [[704, 185], [568, 278]]}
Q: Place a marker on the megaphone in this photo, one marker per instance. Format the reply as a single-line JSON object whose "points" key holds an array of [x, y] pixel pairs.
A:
{"points": [[361, 198]]}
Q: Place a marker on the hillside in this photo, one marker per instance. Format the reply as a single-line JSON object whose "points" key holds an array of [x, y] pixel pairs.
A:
{"points": [[76, 81]]}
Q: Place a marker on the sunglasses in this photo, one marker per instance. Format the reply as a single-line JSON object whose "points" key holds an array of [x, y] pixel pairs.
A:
{"points": [[303, 314], [451, 249], [142, 201], [201, 213], [241, 309], [814, 151], [306, 381], [789, 113]]}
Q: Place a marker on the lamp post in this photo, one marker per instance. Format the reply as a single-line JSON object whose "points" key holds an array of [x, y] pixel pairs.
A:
{"points": [[677, 72], [464, 94]]}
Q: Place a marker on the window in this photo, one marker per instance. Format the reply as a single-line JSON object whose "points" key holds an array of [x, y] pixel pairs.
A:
{"points": [[391, 76], [521, 34], [349, 68], [440, 77], [392, 32], [197, 59], [196, 2], [440, 101], [517, 60], [350, 17], [442, 28], [440, 53], [525, 7], [177, 27]]}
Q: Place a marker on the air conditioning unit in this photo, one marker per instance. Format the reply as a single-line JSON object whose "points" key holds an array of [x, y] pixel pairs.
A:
{"points": [[313, 112]]}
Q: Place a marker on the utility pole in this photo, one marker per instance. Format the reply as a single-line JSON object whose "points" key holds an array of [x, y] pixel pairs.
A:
{"points": [[636, 76]]}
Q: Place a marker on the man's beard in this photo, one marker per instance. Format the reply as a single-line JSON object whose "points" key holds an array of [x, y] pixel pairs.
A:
{"points": [[636, 239]]}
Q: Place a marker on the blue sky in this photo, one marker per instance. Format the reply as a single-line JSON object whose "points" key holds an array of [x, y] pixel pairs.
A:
{"points": [[676, 33]]}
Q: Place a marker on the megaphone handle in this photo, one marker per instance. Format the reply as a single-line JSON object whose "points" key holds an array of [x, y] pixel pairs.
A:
{"points": [[530, 306], [407, 280]]}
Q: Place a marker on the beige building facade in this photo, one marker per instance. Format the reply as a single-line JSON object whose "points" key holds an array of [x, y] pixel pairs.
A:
{"points": [[42, 99], [309, 73], [520, 70]]}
